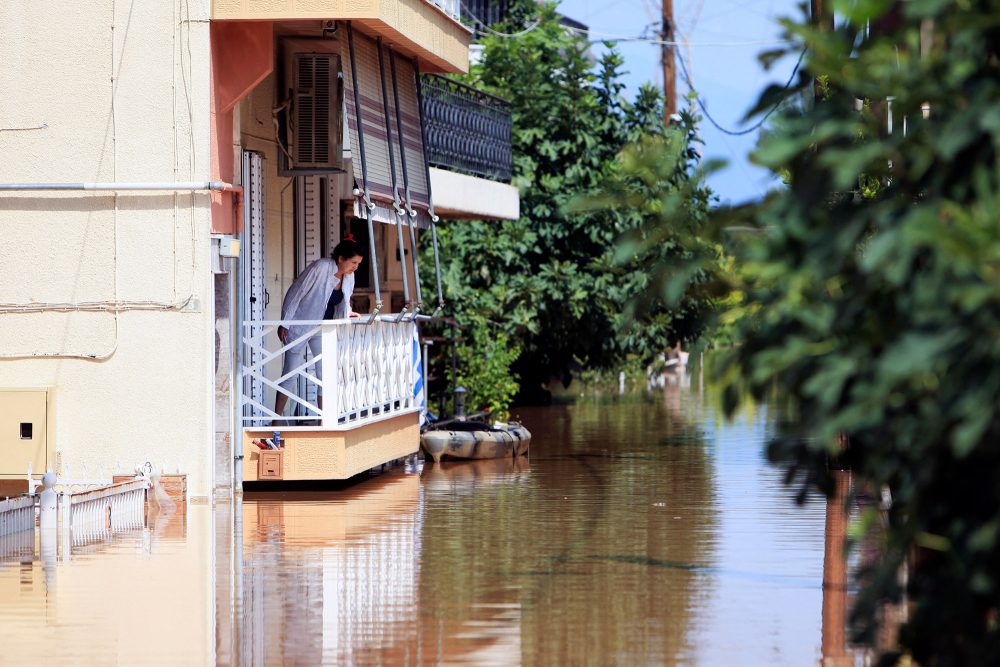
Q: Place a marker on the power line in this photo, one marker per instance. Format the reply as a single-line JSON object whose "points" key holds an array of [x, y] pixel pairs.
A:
{"points": [[610, 37], [755, 126]]}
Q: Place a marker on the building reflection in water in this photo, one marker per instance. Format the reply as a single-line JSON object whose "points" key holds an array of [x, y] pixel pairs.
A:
{"points": [[465, 618], [329, 578], [334, 577], [631, 538]]}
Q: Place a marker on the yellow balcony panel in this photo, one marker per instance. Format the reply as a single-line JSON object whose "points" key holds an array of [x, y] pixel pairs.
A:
{"points": [[314, 453], [415, 28]]}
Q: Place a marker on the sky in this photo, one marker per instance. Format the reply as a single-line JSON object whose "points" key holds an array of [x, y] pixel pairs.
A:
{"points": [[725, 37]]}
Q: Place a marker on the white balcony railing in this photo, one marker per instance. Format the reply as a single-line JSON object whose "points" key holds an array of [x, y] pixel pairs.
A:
{"points": [[368, 370]]}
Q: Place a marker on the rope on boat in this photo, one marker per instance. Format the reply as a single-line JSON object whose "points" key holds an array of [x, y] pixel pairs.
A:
{"points": [[369, 206]]}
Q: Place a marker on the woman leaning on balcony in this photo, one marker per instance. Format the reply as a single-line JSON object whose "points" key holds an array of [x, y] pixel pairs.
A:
{"points": [[321, 292]]}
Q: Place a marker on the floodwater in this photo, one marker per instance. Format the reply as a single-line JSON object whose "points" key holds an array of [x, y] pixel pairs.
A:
{"points": [[643, 530]]}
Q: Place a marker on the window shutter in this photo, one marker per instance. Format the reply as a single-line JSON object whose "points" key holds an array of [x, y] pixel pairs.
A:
{"points": [[314, 140], [372, 117], [309, 221], [376, 139], [409, 106], [252, 265]]}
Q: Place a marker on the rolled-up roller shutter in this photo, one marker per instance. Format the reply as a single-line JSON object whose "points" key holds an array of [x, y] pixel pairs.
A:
{"points": [[376, 138], [376, 153], [409, 110]]}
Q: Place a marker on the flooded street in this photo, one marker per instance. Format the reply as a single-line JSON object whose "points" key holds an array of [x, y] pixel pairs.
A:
{"points": [[643, 530]]}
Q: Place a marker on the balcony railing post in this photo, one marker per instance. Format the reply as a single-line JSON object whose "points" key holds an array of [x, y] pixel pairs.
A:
{"points": [[331, 376]]}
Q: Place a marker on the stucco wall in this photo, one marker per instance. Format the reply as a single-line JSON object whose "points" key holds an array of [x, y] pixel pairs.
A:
{"points": [[120, 93]]}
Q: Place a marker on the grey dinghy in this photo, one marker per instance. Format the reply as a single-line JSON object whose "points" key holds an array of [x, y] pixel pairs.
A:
{"points": [[475, 440]]}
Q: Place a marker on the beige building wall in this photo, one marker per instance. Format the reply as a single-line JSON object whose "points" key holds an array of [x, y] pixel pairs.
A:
{"points": [[109, 91]]}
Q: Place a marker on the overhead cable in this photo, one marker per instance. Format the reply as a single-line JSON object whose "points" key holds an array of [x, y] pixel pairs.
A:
{"points": [[755, 126], [610, 37]]}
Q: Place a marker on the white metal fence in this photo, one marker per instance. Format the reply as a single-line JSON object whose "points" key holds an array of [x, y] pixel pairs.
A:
{"points": [[367, 368], [114, 508], [17, 514], [87, 516]]}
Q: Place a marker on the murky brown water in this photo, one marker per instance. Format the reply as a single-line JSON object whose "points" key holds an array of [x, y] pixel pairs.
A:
{"points": [[643, 531]]}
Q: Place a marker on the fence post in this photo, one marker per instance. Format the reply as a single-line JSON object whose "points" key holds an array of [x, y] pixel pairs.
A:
{"points": [[47, 502], [48, 526], [331, 375]]}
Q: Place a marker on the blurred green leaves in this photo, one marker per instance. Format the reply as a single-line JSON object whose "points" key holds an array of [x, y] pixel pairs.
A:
{"points": [[873, 300]]}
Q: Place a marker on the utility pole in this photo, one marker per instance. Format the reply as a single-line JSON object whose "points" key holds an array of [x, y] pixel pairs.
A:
{"points": [[824, 22], [819, 16], [667, 60]]}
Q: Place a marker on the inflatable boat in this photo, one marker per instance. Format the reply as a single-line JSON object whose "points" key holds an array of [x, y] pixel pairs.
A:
{"points": [[475, 440]]}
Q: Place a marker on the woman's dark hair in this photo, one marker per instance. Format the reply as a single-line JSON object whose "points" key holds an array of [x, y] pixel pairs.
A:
{"points": [[346, 249]]}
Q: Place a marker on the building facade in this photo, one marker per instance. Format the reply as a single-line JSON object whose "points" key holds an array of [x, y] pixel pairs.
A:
{"points": [[170, 168]]}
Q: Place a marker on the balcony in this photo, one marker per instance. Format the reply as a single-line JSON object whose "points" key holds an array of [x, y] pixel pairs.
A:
{"points": [[488, 12], [366, 370], [368, 366], [468, 145], [452, 8], [468, 130]]}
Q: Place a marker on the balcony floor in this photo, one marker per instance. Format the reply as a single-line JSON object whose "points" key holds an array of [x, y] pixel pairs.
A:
{"points": [[317, 453]]}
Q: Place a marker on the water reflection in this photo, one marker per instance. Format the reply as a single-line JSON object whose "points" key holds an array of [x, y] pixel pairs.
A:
{"points": [[330, 578], [643, 530], [136, 596]]}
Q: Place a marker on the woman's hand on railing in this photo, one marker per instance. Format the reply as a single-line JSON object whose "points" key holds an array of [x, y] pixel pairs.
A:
{"points": [[353, 314], [282, 334]]}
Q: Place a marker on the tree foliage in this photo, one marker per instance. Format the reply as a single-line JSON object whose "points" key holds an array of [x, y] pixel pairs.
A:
{"points": [[484, 365], [873, 300], [556, 282]]}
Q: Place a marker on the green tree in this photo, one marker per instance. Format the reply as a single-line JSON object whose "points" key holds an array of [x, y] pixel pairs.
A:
{"points": [[555, 281], [873, 300], [484, 370]]}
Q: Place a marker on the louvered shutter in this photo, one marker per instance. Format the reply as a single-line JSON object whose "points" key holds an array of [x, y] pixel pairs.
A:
{"points": [[332, 216], [314, 139], [252, 267], [309, 221], [377, 147]]}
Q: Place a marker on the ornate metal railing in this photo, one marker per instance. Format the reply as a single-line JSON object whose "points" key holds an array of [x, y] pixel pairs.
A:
{"points": [[467, 130]]}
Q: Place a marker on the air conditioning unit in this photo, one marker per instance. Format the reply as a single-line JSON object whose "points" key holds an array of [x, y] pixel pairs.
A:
{"points": [[310, 110]]}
